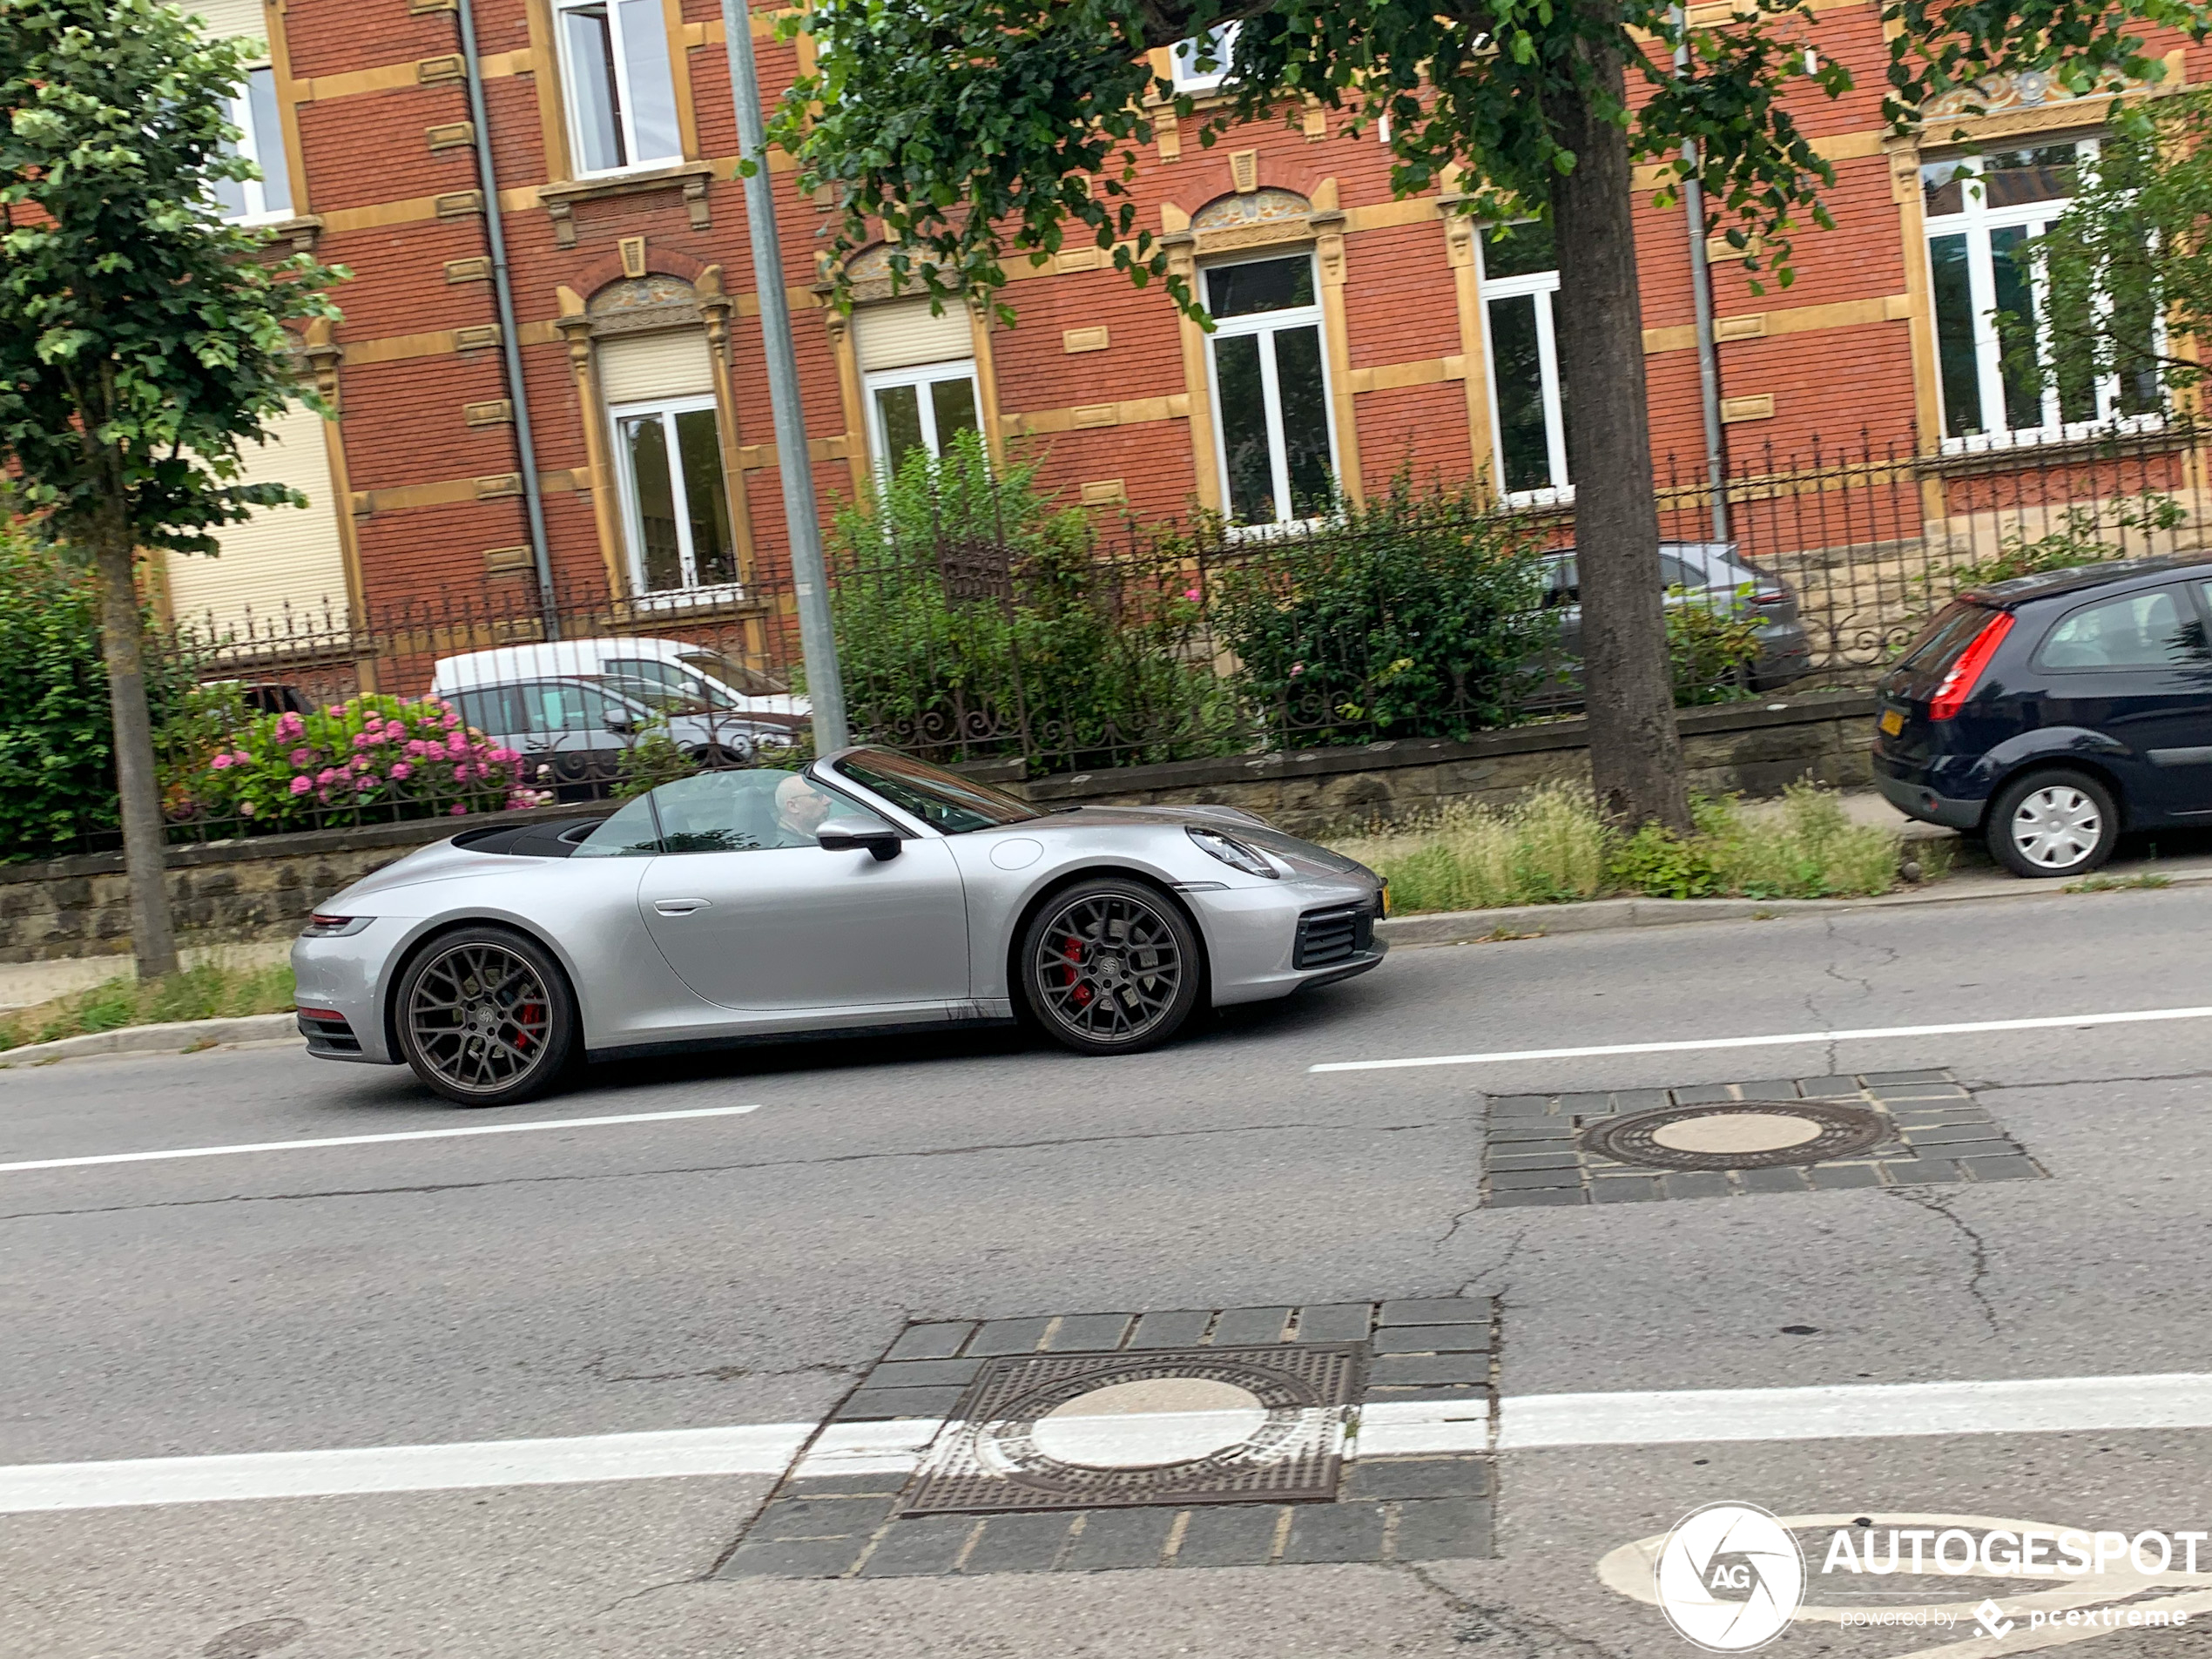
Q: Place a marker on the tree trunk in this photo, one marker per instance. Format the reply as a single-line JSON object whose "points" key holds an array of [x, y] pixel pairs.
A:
{"points": [[153, 938], [1636, 752]]}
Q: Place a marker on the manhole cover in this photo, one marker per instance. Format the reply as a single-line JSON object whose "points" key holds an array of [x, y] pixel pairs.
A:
{"points": [[1739, 1135], [1179, 1427]]}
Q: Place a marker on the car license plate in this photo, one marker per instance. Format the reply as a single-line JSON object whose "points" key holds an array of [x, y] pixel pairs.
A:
{"points": [[1893, 722]]}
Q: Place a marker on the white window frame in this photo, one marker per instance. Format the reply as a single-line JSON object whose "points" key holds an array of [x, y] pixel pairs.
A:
{"points": [[1544, 286], [1187, 79], [626, 103], [950, 369], [1975, 221], [633, 523], [240, 112], [1269, 322]]}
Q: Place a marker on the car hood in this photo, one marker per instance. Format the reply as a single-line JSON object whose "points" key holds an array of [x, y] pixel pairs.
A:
{"points": [[1301, 855]]}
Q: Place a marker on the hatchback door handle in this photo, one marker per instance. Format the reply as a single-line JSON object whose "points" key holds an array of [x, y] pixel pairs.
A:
{"points": [[681, 907]]}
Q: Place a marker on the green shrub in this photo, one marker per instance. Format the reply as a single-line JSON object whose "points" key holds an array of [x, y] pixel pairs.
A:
{"points": [[1417, 616], [1548, 848], [1709, 647], [973, 613], [211, 990], [2079, 539], [57, 745], [1807, 847]]}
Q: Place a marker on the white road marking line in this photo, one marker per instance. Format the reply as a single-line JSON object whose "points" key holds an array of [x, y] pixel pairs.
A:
{"points": [[372, 1140], [1856, 1411], [760, 1449], [1688, 1045], [1859, 1410]]}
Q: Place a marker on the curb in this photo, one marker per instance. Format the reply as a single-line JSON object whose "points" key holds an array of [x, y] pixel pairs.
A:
{"points": [[175, 1036], [1611, 915]]}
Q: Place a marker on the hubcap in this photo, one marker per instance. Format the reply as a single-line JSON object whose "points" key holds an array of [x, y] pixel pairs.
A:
{"points": [[2057, 828], [1108, 968], [480, 1016]]}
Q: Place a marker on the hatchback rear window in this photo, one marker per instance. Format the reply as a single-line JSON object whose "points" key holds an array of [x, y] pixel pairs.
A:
{"points": [[1931, 656]]}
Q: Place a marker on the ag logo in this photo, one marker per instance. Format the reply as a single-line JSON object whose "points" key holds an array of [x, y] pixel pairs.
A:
{"points": [[1728, 1577]]}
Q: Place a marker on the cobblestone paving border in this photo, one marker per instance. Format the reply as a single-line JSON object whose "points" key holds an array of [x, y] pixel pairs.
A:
{"points": [[1941, 1133], [1427, 1507]]}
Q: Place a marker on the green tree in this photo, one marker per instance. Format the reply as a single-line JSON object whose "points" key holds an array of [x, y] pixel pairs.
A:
{"points": [[143, 341], [969, 131], [2126, 269]]}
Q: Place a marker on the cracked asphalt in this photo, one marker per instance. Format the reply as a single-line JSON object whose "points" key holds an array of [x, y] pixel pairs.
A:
{"points": [[748, 1269]]}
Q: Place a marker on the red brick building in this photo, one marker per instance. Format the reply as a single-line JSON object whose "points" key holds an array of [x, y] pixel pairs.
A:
{"points": [[1359, 333]]}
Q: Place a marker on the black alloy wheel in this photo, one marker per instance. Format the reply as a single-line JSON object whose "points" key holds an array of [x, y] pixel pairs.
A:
{"points": [[1110, 967], [486, 1018]]}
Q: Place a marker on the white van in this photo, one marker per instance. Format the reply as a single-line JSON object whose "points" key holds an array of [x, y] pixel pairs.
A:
{"points": [[674, 676]]}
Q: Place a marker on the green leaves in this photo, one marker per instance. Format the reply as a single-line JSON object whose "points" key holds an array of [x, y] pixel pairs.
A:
{"points": [[143, 341]]}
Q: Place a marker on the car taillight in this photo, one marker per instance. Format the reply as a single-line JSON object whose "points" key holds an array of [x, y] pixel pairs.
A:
{"points": [[1958, 684], [1770, 597]]}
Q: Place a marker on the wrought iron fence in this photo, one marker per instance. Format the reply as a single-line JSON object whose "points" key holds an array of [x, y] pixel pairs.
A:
{"points": [[1030, 649]]}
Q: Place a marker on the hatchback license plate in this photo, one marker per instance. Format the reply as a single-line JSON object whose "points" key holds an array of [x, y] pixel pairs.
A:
{"points": [[1893, 722]]}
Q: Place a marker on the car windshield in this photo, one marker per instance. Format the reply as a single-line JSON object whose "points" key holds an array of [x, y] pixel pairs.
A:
{"points": [[627, 833], [944, 800]]}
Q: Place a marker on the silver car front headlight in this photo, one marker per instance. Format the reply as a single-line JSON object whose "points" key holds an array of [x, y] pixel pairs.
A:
{"points": [[322, 927], [1234, 853]]}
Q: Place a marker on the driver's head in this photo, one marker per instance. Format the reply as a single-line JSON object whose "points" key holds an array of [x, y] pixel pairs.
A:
{"points": [[800, 807]]}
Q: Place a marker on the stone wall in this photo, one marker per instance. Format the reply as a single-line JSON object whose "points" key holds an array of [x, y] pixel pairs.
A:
{"points": [[236, 891]]}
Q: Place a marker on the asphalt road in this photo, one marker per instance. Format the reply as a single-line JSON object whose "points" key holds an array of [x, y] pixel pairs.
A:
{"points": [[746, 1269]]}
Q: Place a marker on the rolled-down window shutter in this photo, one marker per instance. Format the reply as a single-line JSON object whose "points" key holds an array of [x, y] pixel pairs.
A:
{"points": [[646, 369], [282, 571], [903, 334], [228, 17]]}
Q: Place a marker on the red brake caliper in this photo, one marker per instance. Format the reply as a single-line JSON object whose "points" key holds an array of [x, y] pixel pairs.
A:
{"points": [[1072, 954]]}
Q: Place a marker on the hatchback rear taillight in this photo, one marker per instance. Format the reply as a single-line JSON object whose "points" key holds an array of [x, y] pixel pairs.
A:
{"points": [[1958, 684]]}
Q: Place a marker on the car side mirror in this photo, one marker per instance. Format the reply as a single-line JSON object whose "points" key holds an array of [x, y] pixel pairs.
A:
{"points": [[851, 835]]}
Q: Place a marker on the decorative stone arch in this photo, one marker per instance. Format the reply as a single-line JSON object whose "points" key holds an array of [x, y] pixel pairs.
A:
{"points": [[868, 276], [674, 293]]}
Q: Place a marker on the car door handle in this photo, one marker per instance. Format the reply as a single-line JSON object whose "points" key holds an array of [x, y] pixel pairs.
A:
{"points": [[681, 907]]}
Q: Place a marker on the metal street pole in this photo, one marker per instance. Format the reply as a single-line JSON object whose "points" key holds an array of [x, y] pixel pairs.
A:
{"points": [[1700, 290], [810, 577]]}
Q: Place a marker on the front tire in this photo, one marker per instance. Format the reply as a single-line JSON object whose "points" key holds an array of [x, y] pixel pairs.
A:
{"points": [[1110, 965], [2058, 823], [486, 1018]]}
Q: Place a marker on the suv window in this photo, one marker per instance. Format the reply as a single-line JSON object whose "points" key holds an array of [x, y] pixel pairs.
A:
{"points": [[551, 706], [663, 685], [2157, 629], [489, 711]]}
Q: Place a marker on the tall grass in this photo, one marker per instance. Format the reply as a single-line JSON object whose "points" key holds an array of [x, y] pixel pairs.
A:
{"points": [[1551, 847], [211, 990]]}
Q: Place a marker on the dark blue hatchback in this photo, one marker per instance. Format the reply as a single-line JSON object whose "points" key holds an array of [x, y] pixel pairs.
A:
{"points": [[2053, 712]]}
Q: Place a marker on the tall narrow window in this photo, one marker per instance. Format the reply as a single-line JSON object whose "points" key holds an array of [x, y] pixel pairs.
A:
{"points": [[254, 113], [1994, 319], [1527, 414], [1271, 392], [918, 373], [1202, 63], [621, 92], [678, 511]]}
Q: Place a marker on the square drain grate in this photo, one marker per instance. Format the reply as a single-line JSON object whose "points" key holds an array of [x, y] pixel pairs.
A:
{"points": [[996, 1459], [1417, 1485], [1551, 1150]]}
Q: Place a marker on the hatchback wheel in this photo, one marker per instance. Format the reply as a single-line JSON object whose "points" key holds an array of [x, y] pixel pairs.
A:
{"points": [[2053, 823], [486, 1018], [1110, 967]]}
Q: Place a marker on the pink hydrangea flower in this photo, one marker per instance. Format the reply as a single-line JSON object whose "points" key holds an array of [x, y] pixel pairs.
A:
{"points": [[504, 757], [360, 739], [450, 721], [336, 711], [221, 763], [1190, 593], [459, 810], [300, 785], [461, 774], [326, 775], [300, 757], [364, 783], [400, 769], [418, 747]]}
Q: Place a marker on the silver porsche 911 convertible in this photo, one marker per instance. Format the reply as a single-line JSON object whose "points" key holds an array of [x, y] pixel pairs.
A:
{"points": [[870, 892]]}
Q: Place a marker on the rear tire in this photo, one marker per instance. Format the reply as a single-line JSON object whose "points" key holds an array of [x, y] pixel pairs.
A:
{"points": [[485, 1017], [1110, 965], [2056, 823]]}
